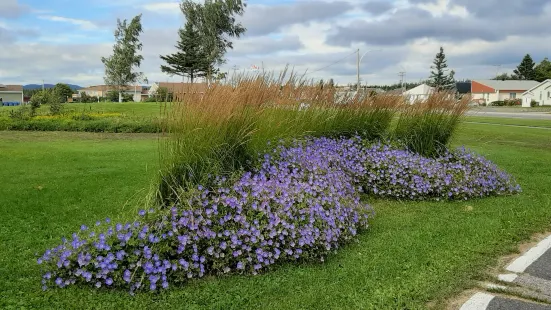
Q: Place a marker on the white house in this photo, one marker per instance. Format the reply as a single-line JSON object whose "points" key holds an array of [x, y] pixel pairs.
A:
{"points": [[419, 93], [488, 91], [540, 93], [11, 93]]}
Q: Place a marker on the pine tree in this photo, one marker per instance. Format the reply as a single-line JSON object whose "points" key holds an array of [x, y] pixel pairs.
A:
{"points": [[525, 70], [439, 77], [191, 59]]}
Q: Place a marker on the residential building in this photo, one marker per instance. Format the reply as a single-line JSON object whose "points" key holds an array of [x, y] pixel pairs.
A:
{"points": [[419, 93], [11, 93], [540, 93], [179, 88], [488, 91], [101, 91]]}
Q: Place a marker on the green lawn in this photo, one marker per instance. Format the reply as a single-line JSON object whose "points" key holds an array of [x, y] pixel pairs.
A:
{"points": [[510, 121], [414, 253]]}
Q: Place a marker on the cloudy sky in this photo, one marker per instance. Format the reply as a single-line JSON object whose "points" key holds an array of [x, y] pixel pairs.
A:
{"points": [[64, 40]]}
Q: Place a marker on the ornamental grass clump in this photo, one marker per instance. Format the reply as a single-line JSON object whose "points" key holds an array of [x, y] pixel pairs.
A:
{"points": [[459, 174], [301, 204], [225, 127], [426, 127]]}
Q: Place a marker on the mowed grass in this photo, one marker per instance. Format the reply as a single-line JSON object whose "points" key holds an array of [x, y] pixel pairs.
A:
{"points": [[414, 254], [510, 121]]}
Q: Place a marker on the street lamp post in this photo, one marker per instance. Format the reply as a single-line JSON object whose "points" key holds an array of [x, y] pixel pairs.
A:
{"points": [[358, 69]]}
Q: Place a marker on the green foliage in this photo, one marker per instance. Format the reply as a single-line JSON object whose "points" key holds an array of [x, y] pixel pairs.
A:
{"points": [[162, 95], [82, 123], [21, 113], [427, 128], [120, 68], [439, 77], [63, 91], [113, 96], [85, 98], [215, 21], [534, 103], [40, 98], [56, 107], [543, 70], [505, 76], [525, 70]]}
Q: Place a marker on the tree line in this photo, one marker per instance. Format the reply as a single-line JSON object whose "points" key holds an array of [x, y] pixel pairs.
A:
{"points": [[202, 45], [528, 70]]}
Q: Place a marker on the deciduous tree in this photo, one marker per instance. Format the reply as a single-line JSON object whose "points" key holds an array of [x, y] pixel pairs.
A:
{"points": [[216, 23], [120, 68], [543, 70]]}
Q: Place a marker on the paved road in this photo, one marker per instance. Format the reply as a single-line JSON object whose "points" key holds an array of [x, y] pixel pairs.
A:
{"points": [[522, 115], [528, 275]]}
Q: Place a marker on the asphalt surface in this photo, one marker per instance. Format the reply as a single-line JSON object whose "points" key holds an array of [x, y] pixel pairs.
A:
{"points": [[521, 115], [501, 303], [541, 268], [525, 284]]}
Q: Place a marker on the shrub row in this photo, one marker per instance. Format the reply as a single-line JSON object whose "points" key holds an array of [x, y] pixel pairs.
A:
{"points": [[94, 125]]}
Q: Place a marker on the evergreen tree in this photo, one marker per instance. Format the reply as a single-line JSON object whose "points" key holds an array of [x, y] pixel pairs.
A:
{"points": [[543, 70], [331, 83], [192, 58], [439, 77], [120, 67], [525, 70]]}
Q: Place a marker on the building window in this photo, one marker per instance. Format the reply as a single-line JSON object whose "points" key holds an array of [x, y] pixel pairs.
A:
{"points": [[512, 95]]}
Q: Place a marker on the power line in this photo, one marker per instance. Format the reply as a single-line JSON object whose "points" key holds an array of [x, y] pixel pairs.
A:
{"points": [[334, 63]]}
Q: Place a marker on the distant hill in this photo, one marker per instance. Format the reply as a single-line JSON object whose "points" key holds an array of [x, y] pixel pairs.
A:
{"points": [[39, 86]]}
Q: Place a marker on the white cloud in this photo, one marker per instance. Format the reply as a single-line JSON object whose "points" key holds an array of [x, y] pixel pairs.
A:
{"points": [[84, 24], [163, 7]]}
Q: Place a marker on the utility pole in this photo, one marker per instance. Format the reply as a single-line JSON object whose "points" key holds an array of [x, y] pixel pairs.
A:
{"points": [[358, 71], [402, 74]]}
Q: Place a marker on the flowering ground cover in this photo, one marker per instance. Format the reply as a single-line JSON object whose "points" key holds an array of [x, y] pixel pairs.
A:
{"points": [[302, 203], [415, 253]]}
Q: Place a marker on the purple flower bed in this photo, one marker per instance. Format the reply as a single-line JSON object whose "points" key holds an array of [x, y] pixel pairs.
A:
{"points": [[398, 173], [302, 203]]}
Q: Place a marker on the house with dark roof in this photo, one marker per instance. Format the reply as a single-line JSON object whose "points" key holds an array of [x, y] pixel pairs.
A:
{"points": [[11, 93], [488, 91]]}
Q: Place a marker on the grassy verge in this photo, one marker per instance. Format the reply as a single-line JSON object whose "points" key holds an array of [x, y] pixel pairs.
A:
{"points": [[415, 252], [510, 121]]}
